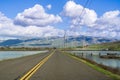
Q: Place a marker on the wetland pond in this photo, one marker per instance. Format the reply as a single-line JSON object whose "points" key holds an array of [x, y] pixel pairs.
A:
{"points": [[95, 56], [16, 54]]}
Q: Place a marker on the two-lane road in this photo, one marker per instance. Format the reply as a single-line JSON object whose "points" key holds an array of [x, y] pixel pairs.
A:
{"points": [[63, 67], [14, 69], [57, 67]]}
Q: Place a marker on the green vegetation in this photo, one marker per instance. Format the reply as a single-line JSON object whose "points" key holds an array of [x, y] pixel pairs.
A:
{"points": [[103, 46], [106, 72], [22, 49]]}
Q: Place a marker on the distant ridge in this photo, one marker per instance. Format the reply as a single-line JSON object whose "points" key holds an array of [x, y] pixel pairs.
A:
{"points": [[56, 41]]}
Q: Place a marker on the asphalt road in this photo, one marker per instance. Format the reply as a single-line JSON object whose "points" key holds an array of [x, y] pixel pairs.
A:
{"points": [[58, 67], [14, 69], [63, 67]]}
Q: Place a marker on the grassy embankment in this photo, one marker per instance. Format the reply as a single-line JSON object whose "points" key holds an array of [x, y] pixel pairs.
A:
{"points": [[96, 67], [22, 49], [105, 46]]}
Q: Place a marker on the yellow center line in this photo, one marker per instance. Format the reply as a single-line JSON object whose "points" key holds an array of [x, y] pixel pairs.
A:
{"points": [[35, 68]]}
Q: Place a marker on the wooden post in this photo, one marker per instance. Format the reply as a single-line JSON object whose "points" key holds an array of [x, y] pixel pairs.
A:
{"points": [[91, 54], [99, 54], [82, 54]]}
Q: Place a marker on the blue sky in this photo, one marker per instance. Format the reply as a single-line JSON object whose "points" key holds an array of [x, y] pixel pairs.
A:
{"points": [[11, 7], [98, 13]]}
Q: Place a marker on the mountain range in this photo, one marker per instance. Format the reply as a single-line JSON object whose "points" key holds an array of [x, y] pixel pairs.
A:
{"points": [[55, 41]]}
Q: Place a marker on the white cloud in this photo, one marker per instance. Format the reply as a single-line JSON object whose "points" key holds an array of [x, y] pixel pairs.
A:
{"points": [[35, 22], [79, 17], [49, 6], [72, 10], [9, 30], [107, 25], [4, 19], [36, 16], [111, 14]]}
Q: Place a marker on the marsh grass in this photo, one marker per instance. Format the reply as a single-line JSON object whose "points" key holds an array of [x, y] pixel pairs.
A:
{"points": [[113, 73]]}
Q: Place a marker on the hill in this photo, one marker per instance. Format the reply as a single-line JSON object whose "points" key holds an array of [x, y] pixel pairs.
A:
{"points": [[56, 42], [105, 46]]}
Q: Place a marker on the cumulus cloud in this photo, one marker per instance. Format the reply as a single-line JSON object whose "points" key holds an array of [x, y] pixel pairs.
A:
{"points": [[37, 24], [4, 19], [36, 16], [79, 17], [107, 25], [49, 6], [33, 22]]}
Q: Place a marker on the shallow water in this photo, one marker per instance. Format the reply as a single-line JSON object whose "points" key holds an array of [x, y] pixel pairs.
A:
{"points": [[15, 54], [114, 63]]}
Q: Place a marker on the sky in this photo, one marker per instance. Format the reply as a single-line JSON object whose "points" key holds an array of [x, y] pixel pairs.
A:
{"points": [[46, 18]]}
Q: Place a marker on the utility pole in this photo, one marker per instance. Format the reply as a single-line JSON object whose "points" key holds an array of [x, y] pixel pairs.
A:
{"points": [[83, 42], [64, 39]]}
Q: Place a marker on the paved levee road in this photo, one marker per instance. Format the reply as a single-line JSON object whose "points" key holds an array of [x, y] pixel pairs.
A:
{"points": [[58, 67], [63, 67], [16, 68]]}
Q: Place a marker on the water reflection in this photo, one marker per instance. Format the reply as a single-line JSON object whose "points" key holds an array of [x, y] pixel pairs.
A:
{"points": [[15, 54], [94, 56]]}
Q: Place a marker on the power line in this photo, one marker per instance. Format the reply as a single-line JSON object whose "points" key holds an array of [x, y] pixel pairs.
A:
{"points": [[88, 2], [65, 39]]}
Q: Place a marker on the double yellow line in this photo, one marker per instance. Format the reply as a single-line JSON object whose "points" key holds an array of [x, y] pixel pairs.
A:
{"points": [[35, 68]]}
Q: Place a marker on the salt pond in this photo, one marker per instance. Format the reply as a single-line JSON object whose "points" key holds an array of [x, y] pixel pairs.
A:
{"points": [[15, 54], [114, 63]]}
